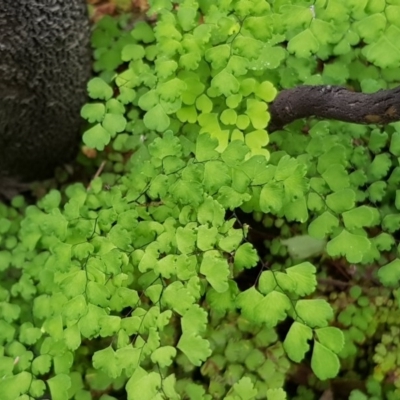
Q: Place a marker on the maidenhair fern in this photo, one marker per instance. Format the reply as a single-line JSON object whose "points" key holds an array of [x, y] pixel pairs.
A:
{"points": [[212, 259]]}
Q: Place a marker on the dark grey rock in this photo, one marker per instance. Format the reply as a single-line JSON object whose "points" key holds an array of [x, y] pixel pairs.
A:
{"points": [[45, 63]]}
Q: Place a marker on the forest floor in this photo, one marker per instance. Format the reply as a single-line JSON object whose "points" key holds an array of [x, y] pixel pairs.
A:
{"points": [[99, 8]]}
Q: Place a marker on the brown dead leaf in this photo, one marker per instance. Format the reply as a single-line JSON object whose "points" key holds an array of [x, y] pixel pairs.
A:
{"points": [[141, 5], [104, 9], [89, 152]]}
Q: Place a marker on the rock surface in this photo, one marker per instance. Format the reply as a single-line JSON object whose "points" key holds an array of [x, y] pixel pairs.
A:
{"points": [[45, 63]]}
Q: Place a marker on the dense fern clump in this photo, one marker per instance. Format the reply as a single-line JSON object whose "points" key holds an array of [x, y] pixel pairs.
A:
{"points": [[211, 259]]}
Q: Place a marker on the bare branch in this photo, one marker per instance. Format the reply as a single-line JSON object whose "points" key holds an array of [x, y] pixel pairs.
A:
{"points": [[334, 102]]}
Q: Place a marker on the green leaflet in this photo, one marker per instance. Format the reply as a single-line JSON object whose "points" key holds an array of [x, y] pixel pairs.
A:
{"points": [[324, 362], [296, 341], [350, 245]]}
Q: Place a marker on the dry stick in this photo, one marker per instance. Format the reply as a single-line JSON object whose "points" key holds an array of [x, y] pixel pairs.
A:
{"points": [[334, 102], [98, 172], [334, 282]]}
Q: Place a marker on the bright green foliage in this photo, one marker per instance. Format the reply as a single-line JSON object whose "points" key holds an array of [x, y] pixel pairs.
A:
{"points": [[213, 259]]}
